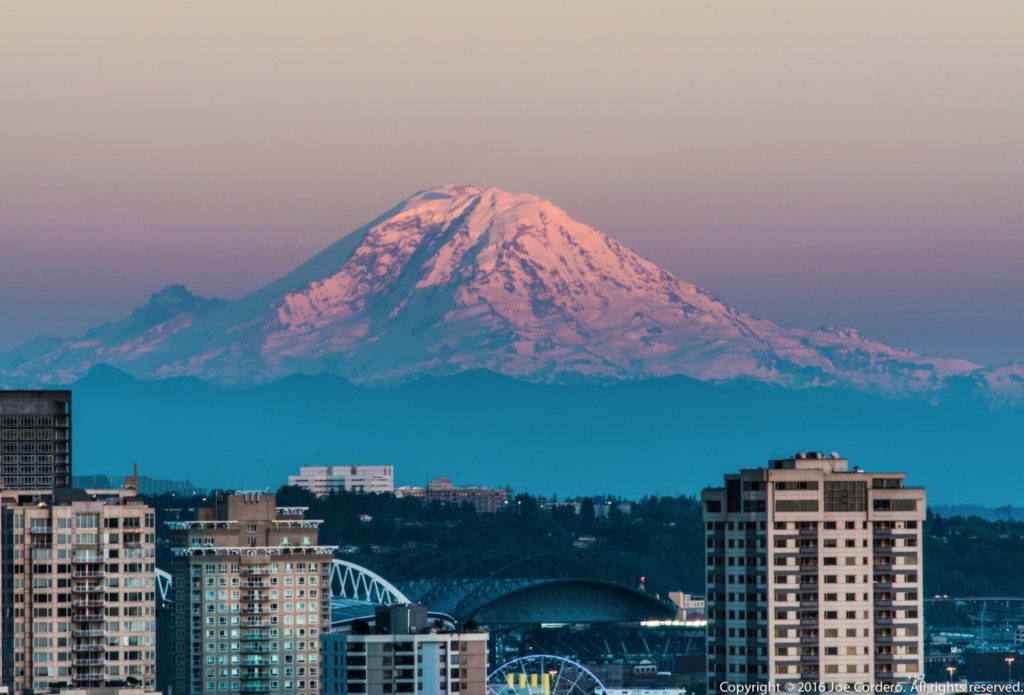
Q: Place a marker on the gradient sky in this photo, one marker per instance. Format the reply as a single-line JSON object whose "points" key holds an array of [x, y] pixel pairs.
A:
{"points": [[814, 163]]}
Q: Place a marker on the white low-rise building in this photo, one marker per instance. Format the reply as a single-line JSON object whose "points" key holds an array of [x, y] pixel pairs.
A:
{"points": [[323, 480]]}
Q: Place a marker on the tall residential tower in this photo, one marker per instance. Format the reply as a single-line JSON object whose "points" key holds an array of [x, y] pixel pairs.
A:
{"points": [[79, 589], [252, 598], [813, 573]]}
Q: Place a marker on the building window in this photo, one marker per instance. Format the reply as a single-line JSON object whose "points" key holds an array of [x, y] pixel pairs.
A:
{"points": [[845, 496], [796, 505]]}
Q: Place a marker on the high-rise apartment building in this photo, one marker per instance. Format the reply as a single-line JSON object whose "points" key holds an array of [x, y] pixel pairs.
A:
{"points": [[35, 439], [813, 573], [251, 598], [406, 654], [79, 589], [323, 480]]}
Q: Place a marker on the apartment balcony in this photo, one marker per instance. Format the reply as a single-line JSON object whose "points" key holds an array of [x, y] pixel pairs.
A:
{"points": [[90, 676], [258, 623], [44, 530], [90, 603], [255, 687], [87, 662], [255, 570], [255, 661], [92, 632], [86, 559], [254, 649], [40, 545], [88, 574], [249, 675], [255, 610], [87, 618], [87, 589], [87, 648], [255, 635], [256, 596]]}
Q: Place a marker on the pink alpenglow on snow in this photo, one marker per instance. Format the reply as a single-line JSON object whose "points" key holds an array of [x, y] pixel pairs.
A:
{"points": [[459, 278]]}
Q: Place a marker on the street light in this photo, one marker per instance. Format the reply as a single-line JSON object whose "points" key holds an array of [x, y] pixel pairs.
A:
{"points": [[951, 670], [1009, 668]]}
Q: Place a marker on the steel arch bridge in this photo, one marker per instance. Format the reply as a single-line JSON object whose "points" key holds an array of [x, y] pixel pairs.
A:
{"points": [[355, 582]]}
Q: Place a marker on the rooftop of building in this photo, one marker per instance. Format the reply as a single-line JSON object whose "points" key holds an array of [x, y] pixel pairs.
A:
{"points": [[65, 496], [409, 619]]}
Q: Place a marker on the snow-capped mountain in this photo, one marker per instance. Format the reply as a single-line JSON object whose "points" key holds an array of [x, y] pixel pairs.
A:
{"points": [[459, 278]]}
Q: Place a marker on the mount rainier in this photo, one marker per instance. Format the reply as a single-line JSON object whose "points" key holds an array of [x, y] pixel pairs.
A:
{"points": [[460, 278]]}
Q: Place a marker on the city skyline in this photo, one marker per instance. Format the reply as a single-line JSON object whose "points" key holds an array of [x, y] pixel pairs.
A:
{"points": [[464, 345], [833, 145]]}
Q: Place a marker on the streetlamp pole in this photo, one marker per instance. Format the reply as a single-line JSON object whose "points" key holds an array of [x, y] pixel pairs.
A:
{"points": [[1009, 668]]}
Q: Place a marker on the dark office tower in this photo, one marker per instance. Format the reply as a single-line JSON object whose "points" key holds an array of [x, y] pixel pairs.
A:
{"points": [[35, 439]]}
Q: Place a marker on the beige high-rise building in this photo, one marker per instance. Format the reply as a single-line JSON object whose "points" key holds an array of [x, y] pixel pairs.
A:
{"points": [[813, 573], [252, 598], [79, 589]]}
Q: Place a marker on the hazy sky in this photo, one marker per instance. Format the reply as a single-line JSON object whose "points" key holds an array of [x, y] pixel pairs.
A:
{"points": [[814, 163]]}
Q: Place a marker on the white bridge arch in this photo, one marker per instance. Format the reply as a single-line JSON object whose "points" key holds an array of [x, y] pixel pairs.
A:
{"points": [[352, 581], [348, 581], [164, 586]]}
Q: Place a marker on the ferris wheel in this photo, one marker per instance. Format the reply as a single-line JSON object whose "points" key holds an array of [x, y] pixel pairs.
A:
{"points": [[543, 674]]}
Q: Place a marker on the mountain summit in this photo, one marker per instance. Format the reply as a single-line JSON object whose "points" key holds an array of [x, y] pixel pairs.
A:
{"points": [[460, 278]]}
